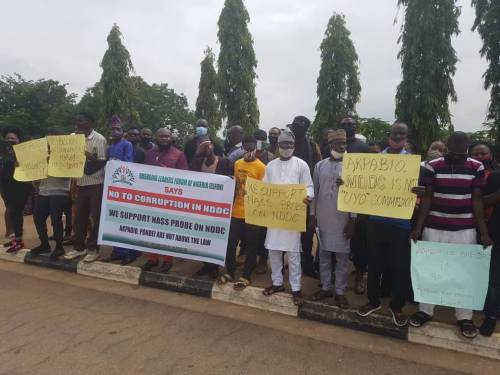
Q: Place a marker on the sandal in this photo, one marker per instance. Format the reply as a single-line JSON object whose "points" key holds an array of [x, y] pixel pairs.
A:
{"points": [[273, 289], [298, 300], [321, 295], [468, 328], [223, 279], [419, 319], [241, 284]]}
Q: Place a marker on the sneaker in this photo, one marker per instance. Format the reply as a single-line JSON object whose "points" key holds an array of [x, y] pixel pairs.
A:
{"points": [[73, 254], [41, 249], [399, 318], [15, 247], [91, 256], [360, 285], [10, 243], [488, 326], [56, 253], [367, 309]]}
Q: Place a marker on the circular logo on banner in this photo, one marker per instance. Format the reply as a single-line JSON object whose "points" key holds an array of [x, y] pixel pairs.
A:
{"points": [[123, 175]]}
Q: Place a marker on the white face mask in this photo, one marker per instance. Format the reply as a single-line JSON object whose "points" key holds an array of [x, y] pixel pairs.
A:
{"points": [[337, 155], [259, 145], [286, 153]]}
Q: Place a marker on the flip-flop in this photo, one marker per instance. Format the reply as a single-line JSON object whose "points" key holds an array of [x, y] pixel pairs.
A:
{"points": [[241, 284], [223, 279], [273, 289]]}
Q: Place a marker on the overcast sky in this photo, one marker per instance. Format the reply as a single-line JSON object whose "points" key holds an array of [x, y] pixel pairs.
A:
{"points": [[66, 39]]}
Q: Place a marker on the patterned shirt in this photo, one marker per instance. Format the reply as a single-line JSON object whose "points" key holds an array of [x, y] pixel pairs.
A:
{"points": [[96, 145], [452, 188]]}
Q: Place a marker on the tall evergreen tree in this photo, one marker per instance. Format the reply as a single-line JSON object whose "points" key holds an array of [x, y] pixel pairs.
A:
{"points": [[117, 88], [428, 62], [237, 63], [487, 23], [338, 83], [207, 104]]}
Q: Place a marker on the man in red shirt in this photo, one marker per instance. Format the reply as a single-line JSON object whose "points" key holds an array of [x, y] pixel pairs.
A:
{"points": [[165, 155]]}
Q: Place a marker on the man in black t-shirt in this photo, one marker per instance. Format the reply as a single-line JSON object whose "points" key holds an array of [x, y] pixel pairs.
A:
{"points": [[491, 198], [308, 151], [359, 245]]}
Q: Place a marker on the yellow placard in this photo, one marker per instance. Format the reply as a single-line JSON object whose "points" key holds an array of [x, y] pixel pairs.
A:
{"points": [[379, 184], [67, 155], [275, 206], [31, 157]]}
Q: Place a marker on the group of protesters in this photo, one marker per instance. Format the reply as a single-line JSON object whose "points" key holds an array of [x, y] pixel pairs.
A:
{"points": [[458, 202]]}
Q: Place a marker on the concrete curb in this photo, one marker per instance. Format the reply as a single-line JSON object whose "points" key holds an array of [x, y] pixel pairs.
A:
{"points": [[433, 334], [251, 296], [448, 337], [44, 260], [109, 271], [374, 323], [16, 257], [177, 283]]}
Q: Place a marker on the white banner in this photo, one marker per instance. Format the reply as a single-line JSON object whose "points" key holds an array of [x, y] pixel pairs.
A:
{"points": [[166, 211]]}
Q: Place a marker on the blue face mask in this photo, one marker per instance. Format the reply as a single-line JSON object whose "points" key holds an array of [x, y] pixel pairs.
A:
{"points": [[200, 131]]}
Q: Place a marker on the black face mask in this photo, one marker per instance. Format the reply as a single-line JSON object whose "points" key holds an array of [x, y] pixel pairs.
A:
{"points": [[11, 143]]}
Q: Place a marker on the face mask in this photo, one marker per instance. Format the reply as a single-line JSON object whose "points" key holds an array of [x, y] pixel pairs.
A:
{"points": [[200, 131], [286, 153], [397, 145], [11, 143], [260, 145], [337, 155]]}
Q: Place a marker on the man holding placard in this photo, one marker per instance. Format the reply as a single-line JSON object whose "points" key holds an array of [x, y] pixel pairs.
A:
{"points": [[287, 169], [451, 212], [389, 248], [89, 187]]}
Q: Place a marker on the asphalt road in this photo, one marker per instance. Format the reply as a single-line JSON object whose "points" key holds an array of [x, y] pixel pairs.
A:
{"points": [[49, 324]]}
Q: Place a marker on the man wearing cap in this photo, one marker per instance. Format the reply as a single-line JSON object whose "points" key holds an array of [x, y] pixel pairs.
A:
{"points": [[308, 151], [201, 131], [287, 169], [335, 228]]}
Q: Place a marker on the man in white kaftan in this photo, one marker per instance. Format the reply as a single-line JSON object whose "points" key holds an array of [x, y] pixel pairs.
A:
{"points": [[286, 169]]}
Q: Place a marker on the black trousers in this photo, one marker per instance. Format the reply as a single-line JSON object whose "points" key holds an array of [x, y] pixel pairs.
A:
{"points": [[16, 196], [492, 304], [306, 239], [251, 233], [389, 251], [359, 244], [52, 206]]}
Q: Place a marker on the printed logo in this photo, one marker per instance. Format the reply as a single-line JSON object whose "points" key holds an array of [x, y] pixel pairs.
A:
{"points": [[123, 175]]}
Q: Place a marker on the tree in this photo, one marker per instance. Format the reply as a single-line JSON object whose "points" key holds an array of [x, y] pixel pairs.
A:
{"points": [[37, 107], [117, 88], [428, 62], [338, 83], [374, 129], [487, 23], [158, 105], [237, 64], [207, 104]]}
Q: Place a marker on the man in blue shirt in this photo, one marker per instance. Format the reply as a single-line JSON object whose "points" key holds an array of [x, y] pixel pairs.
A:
{"points": [[389, 248], [120, 149]]}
